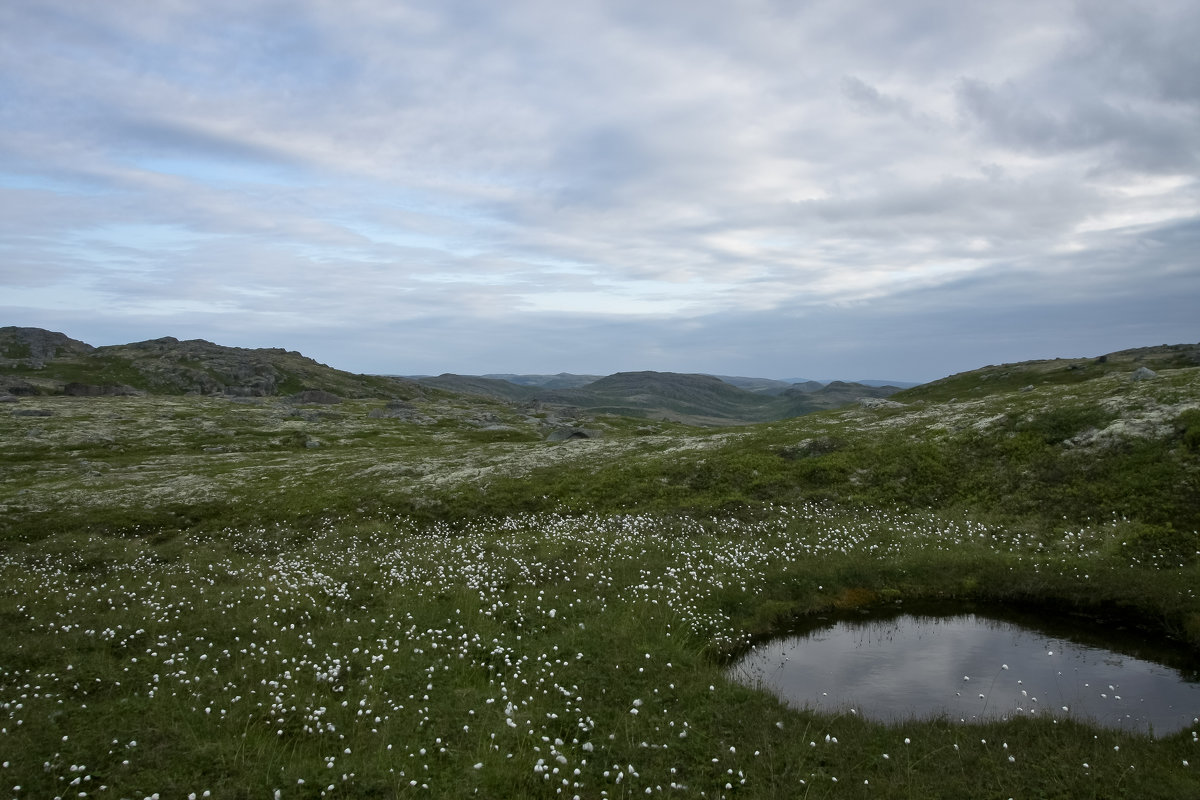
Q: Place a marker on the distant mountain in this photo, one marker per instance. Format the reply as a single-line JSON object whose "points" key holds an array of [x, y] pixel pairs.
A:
{"points": [[877, 382], [36, 361], [700, 399], [496, 388], [766, 386], [563, 380], [803, 400], [690, 398], [863, 381]]}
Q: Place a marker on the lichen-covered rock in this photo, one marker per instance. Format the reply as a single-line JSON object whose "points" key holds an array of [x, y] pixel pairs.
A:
{"points": [[33, 347], [570, 434], [316, 396], [1143, 374], [91, 390], [879, 402]]}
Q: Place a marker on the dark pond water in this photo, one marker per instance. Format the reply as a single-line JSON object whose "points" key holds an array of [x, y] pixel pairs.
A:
{"points": [[974, 667]]}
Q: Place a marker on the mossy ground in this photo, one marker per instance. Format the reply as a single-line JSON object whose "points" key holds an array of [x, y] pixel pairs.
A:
{"points": [[201, 595]]}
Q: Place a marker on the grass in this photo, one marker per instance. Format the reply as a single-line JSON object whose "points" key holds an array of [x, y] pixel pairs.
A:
{"points": [[195, 599]]}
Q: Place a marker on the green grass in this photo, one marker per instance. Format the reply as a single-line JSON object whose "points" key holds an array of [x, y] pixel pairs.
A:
{"points": [[188, 575], [402, 634]]}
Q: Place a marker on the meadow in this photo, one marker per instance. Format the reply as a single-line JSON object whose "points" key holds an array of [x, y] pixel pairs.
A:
{"points": [[204, 598]]}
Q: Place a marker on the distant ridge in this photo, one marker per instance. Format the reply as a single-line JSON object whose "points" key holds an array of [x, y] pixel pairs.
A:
{"points": [[563, 380], [35, 361], [695, 399]]}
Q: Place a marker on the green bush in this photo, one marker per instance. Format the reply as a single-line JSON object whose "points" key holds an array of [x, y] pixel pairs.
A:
{"points": [[1059, 424], [1188, 423]]}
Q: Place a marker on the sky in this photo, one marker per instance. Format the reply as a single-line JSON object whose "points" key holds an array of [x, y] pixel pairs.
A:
{"points": [[843, 189]]}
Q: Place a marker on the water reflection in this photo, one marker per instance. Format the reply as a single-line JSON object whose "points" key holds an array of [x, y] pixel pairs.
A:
{"points": [[970, 667]]}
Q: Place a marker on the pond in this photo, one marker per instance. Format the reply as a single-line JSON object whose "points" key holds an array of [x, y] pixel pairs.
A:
{"points": [[972, 666]]}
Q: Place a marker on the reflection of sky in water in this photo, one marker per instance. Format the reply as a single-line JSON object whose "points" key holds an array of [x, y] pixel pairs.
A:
{"points": [[910, 666]]}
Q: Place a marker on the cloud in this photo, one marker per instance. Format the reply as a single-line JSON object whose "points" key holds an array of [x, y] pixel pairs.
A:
{"points": [[665, 183], [1123, 86]]}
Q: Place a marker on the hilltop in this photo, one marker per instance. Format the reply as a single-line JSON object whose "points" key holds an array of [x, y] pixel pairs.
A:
{"points": [[37, 362], [34, 362], [994, 379]]}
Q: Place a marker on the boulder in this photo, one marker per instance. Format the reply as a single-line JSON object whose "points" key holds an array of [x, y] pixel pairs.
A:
{"points": [[90, 390], [18, 387], [1143, 374], [570, 434], [316, 396], [398, 409], [879, 402]]}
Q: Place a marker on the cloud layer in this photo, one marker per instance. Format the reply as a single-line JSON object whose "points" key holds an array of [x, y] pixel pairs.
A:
{"points": [[858, 189]]}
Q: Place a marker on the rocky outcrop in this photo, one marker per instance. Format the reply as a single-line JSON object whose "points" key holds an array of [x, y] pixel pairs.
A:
{"points": [[91, 390], [33, 347], [401, 410], [17, 387], [879, 402], [198, 366], [571, 434], [316, 396]]}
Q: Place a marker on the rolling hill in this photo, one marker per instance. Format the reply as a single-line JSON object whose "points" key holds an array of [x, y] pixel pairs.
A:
{"points": [[34, 361], [37, 362], [694, 399]]}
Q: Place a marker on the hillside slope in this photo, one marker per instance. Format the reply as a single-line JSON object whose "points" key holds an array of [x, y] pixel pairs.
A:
{"points": [[36, 362], [994, 379]]}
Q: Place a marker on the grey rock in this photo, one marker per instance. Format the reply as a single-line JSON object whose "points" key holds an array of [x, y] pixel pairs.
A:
{"points": [[33, 412], [9, 398], [879, 402], [90, 390], [33, 347], [1143, 374], [316, 396], [18, 387], [809, 448], [399, 409], [569, 434], [1028, 388]]}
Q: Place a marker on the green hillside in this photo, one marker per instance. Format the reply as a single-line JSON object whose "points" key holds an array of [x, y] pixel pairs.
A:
{"points": [[691, 399], [42, 362], [424, 596]]}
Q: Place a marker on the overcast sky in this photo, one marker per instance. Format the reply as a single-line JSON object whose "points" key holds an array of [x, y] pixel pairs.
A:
{"points": [[841, 188]]}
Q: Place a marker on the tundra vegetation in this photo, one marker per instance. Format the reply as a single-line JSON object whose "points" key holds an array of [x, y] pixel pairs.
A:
{"points": [[214, 597]]}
